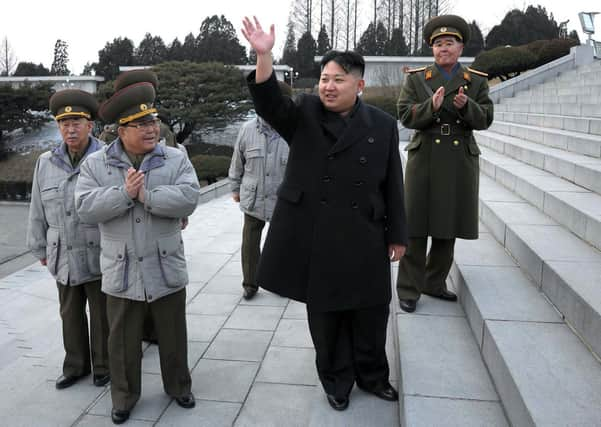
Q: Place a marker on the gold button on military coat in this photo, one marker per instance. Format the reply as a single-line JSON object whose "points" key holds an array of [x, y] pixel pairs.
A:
{"points": [[442, 171]]}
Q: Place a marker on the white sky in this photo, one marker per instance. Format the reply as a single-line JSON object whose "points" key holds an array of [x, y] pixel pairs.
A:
{"points": [[33, 26]]}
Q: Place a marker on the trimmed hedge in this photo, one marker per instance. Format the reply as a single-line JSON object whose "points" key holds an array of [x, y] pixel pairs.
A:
{"points": [[509, 61], [210, 168], [386, 103]]}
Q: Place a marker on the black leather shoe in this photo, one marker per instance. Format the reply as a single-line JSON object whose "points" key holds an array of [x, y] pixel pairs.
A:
{"points": [[386, 392], [67, 381], [340, 404], [249, 292], [186, 401], [408, 305], [119, 416], [445, 295], [101, 380]]}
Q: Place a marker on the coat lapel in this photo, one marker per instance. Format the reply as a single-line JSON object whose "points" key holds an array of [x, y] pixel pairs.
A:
{"points": [[360, 125], [452, 86]]}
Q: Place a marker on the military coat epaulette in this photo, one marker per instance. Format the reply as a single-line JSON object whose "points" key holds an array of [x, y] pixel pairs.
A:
{"points": [[480, 73], [416, 70]]}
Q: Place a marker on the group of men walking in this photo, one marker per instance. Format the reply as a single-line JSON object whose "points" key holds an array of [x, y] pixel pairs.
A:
{"points": [[324, 171]]}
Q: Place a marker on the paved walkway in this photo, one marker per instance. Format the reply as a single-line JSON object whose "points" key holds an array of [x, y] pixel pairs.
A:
{"points": [[252, 361]]}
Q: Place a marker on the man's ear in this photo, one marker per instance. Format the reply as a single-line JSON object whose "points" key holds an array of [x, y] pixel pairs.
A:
{"points": [[120, 131], [360, 86]]}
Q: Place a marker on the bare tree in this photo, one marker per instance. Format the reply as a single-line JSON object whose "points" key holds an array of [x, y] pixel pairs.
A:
{"points": [[8, 59]]}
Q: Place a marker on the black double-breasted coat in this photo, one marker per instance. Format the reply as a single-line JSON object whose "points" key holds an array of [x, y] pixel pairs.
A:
{"points": [[339, 206]]}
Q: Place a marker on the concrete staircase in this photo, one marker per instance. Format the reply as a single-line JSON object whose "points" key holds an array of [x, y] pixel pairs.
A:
{"points": [[530, 287]]}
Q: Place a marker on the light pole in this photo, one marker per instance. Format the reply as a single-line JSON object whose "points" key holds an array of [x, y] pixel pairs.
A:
{"points": [[292, 74]]}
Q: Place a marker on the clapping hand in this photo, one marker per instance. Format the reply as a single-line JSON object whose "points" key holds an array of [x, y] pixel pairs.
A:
{"points": [[437, 99], [460, 99], [133, 182]]}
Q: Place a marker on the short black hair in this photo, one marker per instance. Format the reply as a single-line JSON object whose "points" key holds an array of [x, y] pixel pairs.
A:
{"points": [[350, 62]]}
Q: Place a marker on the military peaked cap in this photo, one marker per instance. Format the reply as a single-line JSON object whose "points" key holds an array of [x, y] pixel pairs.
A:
{"points": [[73, 103], [128, 104], [136, 76], [446, 25]]}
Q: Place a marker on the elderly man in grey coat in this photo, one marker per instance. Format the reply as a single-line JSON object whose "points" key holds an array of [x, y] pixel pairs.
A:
{"points": [[256, 171], [137, 191], [68, 246]]}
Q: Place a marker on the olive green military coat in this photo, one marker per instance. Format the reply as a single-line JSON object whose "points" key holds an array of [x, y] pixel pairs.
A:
{"points": [[442, 171]]}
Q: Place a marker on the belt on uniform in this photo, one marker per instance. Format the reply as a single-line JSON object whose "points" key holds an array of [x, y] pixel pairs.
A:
{"points": [[446, 129]]}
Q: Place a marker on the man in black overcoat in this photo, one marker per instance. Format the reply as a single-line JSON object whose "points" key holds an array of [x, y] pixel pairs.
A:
{"points": [[339, 220]]}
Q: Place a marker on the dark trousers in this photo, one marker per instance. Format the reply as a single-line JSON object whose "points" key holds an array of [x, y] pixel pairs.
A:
{"points": [[350, 346], [251, 249], [419, 273], [126, 321], [83, 349]]}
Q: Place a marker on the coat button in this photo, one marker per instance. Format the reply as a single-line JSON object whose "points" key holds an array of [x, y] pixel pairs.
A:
{"points": [[138, 220], [69, 247], [331, 157], [91, 243], [149, 297], [119, 256], [140, 259], [354, 205], [437, 141], [370, 140], [68, 213], [323, 202], [164, 252], [437, 120], [455, 143], [326, 179], [363, 160], [358, 183], [458, 121]]}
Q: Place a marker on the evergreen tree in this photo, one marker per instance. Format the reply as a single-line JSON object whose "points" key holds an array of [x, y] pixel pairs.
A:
{"points": [[118, 52], [175, 51], [476, 43], [396, 46], [367, 41], [323, 41], [61, 58], [189, 51], [88, 69], [151, 51], [519, 28], [217, 41], [31, 69], [289, 53], [307, 48]]}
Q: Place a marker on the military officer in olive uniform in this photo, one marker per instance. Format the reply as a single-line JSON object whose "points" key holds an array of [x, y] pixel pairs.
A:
{"points": [[137, 190], [66, 244], [443, 102]]}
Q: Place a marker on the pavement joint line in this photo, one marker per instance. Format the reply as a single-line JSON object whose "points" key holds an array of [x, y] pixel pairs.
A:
{"points": [[452, 316], [462, 399], [260, 364]]}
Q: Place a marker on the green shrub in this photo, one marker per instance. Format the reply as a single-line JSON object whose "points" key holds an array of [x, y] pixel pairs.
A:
{"points": [[506, 62], [210, 168], [386, 103]]}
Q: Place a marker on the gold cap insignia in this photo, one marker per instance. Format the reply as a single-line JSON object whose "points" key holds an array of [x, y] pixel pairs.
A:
{"points": [[143, 107], [68, 109], [443, 29]]}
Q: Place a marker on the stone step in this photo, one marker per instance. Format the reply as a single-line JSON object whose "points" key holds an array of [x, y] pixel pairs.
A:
{"points": [[542, 372], [565, 268], [577, 124], [563, 109], [574, 207], [579, 169], [526, 98], [575, 142], [594, 90]]}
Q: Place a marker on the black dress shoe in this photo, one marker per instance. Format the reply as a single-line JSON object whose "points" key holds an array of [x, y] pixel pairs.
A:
{"points": [[119, 416], [408, 305], [65, 381], [386, 392], [101, 380], [186, 401], [340, 404], [249, 292], [445, 295]]}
